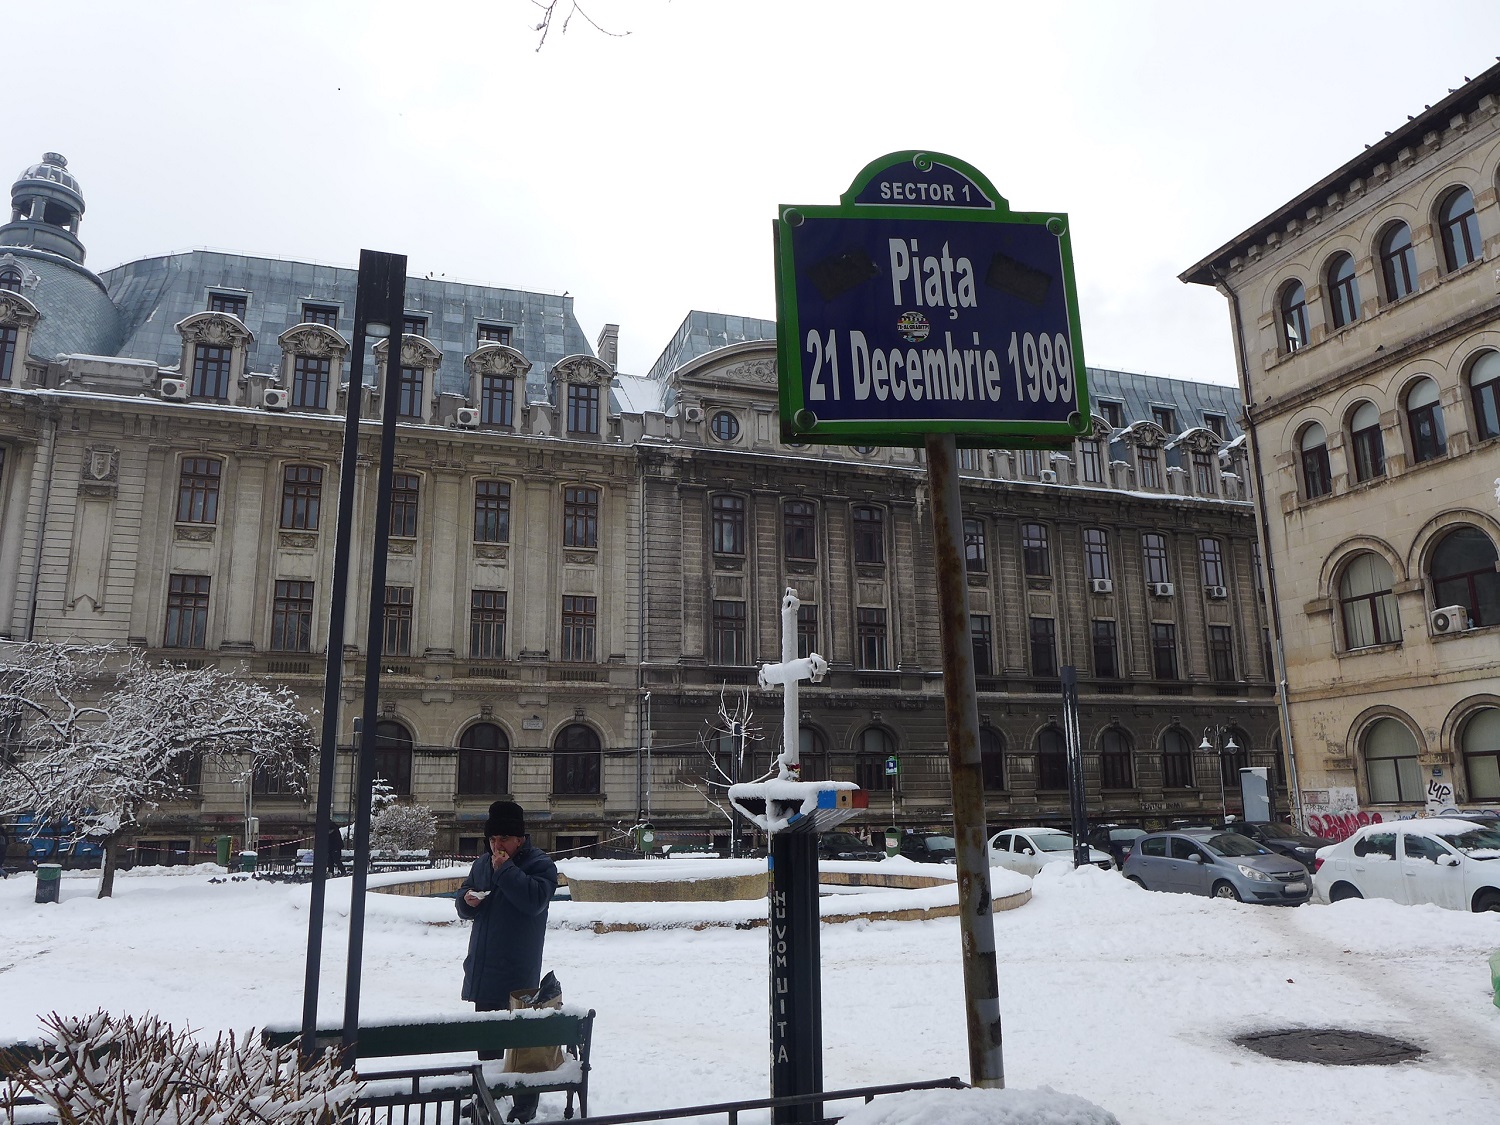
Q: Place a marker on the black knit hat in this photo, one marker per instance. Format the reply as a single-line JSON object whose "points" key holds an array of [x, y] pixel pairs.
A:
{"points": [[506, 819]]}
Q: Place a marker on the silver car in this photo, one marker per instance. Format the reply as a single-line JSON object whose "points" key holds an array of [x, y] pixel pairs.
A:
{"points": [[1221, 864]]}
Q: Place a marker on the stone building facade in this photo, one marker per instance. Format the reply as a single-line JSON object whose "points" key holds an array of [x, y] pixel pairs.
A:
{"points": [[1367, 328], [584, 562]]}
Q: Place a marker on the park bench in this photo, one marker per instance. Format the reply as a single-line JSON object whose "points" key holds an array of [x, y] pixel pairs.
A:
{"points": [[568, 1027]]}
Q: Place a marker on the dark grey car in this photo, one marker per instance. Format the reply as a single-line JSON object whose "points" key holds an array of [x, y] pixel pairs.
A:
{"points": [[1221, 864]]}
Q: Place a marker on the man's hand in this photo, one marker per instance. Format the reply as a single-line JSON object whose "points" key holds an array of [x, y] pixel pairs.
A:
{"points": [[498, 855], [472, 899]]}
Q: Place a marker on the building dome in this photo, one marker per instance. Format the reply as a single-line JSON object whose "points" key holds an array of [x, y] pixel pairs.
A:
{"points": [[46, 206], [53, 169]]}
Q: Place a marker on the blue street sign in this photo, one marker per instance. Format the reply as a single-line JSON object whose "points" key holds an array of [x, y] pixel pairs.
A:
{"points": [[892, 766]]}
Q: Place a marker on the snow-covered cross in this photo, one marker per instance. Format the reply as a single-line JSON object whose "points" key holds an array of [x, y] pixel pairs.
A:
{"points": [[787, 675]]}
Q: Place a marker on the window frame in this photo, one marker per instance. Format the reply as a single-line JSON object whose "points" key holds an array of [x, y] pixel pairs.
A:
{"points": [[492, 511], [1425, 427], [1484, 397], [198, 503], [186, 624], [871, 641], [398, 620], [1156, 561], [868, 526], [1221, 654], [799, 520], [301, 497], [1367, 444], [581, 516], [1481, 586], [727, 523], [406, 498], [1164, 663], [976, 553], [311, 377], [483, 771], [293, 607], [1041, 636], [1459, 230], [1036, 550], [580, 626], [730, 636], [410, 384], [1398, 264], [497, 399], [212, 372], [1211, 561], [1317, 469], [583, 409], [1116, 759], [488, 612], [1104, 637], [1382, 620], [1096, 563], [1343, 290], [1291, 312], [982, 641], [1178, 760], [577, 769]]}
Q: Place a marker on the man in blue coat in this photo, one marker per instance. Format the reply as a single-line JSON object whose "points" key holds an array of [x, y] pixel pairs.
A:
{"points": [[506, 895]]}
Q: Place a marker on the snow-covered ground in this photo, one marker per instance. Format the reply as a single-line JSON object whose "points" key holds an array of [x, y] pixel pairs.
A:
{"points": [[1121, 996]]}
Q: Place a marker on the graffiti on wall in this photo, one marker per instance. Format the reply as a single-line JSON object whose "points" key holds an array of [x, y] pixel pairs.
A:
{"points": [[1334, 813]]}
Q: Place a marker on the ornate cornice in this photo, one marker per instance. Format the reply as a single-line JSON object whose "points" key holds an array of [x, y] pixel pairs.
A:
{"points": [[496, 359], [315, 340], [216, 329], [416, 351], [16, 311], [582, 370]]}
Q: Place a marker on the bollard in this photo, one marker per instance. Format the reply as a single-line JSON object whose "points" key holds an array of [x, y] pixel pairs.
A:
{"points": [[247, 861], [48, 881]]}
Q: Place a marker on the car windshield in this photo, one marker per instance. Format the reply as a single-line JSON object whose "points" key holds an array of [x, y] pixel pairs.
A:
{"points": [[1053, 841], [845, 840], [1480, 843], [1232, 843], [940, 844], [1126, 833]]}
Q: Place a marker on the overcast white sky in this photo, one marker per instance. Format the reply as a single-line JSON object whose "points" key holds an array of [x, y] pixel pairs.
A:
{"points": [[641, 174]]}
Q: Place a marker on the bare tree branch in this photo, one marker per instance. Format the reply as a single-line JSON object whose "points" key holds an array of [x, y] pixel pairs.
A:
{"points": [[549, 9]]}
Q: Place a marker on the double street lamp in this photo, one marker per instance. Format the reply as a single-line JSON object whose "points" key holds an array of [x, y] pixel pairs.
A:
{"points": [[1223, 743]]}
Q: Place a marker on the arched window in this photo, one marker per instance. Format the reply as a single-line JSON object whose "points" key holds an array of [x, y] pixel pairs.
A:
{"points": [[812, 753], [1369, 446], [1398, 262], [1116, 761], [1480, 742], [1343, 290], [1317, 476], [575, 761], [393, 756], [1460, 229], [10, 279], [992, 760], [1424, 417], [1463, 573], [1391, 763], [1176, 760], [483, 761], [1293, 317], [1366, 604], [1051, 760], [875, 745], [1484, 390]]}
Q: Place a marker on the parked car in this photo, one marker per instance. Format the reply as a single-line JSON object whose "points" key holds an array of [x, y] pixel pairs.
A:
{"points": [[846, 845], [1221, 864], [1444, 861], [1282, 838], [1116, 839], [929, 847], [1028, 850]]}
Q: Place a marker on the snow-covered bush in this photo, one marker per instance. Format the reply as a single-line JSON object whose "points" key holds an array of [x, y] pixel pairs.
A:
{"points": [[402, 828], [104, 1070]]}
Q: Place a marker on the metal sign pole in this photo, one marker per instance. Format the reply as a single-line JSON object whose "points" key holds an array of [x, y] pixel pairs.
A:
{"points": [[796, 976], [1077, 798], [975, 920]]}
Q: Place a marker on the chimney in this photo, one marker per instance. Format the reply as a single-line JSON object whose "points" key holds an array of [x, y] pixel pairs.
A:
{"points": [[608, 345]]}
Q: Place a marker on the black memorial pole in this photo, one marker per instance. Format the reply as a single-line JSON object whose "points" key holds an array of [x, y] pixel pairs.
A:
{"points": [[382, 277], [1073, 744], [796, 979]]}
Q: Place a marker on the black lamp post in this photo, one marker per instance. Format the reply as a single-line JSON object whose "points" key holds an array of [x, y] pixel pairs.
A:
{"points": [[1223, 743]]}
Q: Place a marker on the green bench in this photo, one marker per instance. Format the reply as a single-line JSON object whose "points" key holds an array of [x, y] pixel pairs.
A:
{"points": [[467, 1033]]}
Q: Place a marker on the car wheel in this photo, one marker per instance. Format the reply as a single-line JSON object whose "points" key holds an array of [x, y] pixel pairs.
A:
{"points": [[1486, 900], [1226, 890], [1136, 881], [1341, 891]]}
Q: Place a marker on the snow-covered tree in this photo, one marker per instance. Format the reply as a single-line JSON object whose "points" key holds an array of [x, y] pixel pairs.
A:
{"points": [[105, 736], [403, 828], [382, 795]]}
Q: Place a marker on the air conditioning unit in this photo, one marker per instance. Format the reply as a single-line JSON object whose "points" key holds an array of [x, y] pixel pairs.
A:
{"points": [[1449, 619], [1048, 476], [1217, 593], [466, 418], [1160, 589], [1101, 586], [276, 398], [692, 414], [175, 389]]}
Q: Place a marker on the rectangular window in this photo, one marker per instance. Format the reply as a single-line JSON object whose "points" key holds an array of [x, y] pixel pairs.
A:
{"points": [[491, 511], [1043, 646], [983, 640], [487, 624], [292, 617], [233, 304], [310, 382], [583, 409], [1165, 417], [187, 611], [398, 604], [497, 400], [210, 372], [9, 337], [405, 490], [871, 640], [729, 632], [301, 497], [580, 517], [1206, 473], [493, 334], [807, 630], [1093, 461], [321, 314], [975, 557], [968, 460], [1031, 464], [1221, 653], [1217, 424], [729, 524], [1096, 552], [409, 392], [1036, 554], [1106, 650], [1154, 552], [869, 536], [578, 623], [799, 530], [1150, 463], [414, 325], [198, 490], [1112, 412], [1164, 650], [1211, 562]]}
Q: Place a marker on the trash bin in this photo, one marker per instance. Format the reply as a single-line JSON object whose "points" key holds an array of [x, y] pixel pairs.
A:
{"points": [[645, 838], [48, 881], [247, 861], [892, 841], [224, 843]]}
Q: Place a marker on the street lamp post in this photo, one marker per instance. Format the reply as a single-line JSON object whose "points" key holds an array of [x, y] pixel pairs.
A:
{"points": [[1220, 745]]}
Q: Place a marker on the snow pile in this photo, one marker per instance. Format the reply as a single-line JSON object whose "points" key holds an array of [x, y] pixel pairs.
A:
{"points": [[981, 1107], [658, 871]]}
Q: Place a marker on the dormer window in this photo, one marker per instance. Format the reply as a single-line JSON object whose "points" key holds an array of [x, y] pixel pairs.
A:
{"points": [[1112, 412], [234, 304], [1165, 417], [493, 334], [1217, 424], [414, 326], [725, 426], [210, 372], [321, 314], [10, 279], [583, 409]]}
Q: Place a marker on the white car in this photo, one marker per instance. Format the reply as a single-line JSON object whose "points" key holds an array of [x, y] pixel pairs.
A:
{"points": [[1028, 850], [1452, 863]]}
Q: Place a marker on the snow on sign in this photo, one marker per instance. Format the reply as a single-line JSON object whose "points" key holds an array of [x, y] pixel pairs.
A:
{"points": [[923, 304]]}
